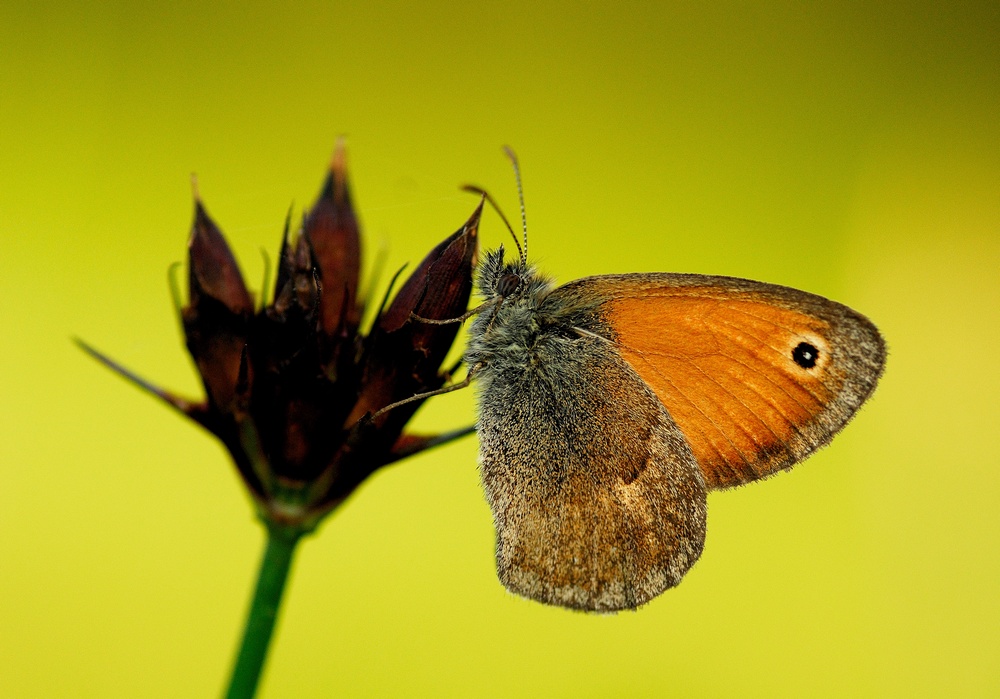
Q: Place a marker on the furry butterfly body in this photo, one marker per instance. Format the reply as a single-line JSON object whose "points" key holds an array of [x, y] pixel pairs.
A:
{"points": [[609, 406]]}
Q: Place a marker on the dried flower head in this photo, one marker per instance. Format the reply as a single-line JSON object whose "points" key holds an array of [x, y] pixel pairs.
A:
{"points": [[291, 387]]}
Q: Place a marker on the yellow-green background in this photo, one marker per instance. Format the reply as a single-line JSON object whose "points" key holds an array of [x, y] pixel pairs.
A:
{"points": [[852, 152]]}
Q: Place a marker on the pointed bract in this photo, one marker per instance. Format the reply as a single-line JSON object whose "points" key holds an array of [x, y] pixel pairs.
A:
{"points": [[332, 229], [404, 355], [213, 268], [437, 286], [219, 308]]}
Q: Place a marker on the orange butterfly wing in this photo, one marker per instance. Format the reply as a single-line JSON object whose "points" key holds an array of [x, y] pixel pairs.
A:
{"points": [[756, 376]]}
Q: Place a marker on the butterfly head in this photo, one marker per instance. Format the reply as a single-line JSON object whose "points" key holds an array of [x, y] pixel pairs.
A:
{"points": [[499, 279]]}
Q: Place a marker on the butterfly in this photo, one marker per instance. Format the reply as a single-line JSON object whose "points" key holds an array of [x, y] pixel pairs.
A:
{"points": [[608, 408]]}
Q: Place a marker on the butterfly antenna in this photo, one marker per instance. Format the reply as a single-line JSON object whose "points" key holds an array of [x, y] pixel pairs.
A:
{"points": [[520, 197], [496, 207]]}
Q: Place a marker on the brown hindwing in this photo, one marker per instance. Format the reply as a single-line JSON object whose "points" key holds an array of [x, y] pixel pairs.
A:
{"points": [[598, 501]]}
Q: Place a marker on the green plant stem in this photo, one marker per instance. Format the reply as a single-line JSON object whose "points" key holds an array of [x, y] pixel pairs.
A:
{"points": [[271, 580]]}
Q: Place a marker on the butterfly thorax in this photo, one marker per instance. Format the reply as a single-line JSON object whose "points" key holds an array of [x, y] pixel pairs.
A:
{"points": [[509, 324]]}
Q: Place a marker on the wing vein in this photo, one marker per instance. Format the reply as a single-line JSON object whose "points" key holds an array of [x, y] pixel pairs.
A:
{"points": [[764, 343], [766, 399], [737, 399], [776, 384], [762, 447], [698, 408]]}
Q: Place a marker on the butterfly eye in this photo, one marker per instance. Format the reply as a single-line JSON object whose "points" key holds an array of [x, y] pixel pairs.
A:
{"points": [[805, 355], [508, 284]]}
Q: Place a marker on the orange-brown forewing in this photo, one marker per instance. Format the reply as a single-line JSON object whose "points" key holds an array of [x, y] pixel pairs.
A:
{"points": [[756, 376]]}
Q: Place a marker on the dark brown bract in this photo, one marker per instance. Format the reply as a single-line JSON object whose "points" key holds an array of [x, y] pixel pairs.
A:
{"points": [[291, 386]]}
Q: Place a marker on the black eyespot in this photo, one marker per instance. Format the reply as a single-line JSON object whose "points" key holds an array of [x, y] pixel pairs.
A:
{"points": [[805, 355], [508, 284]]}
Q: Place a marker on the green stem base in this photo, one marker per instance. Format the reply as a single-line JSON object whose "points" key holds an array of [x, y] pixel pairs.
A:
{"points": [[263, 614]]}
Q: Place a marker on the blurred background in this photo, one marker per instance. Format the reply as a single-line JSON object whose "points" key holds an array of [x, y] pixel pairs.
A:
{"points": [[852, 151]]}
